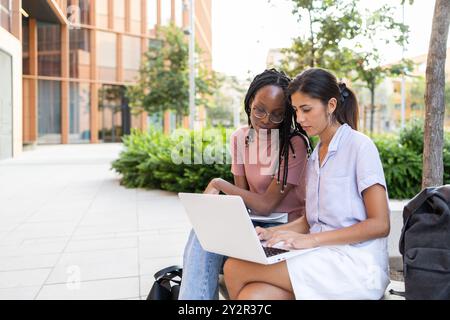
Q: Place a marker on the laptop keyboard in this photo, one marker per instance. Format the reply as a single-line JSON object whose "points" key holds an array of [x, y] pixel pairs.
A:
{"points": [[273, 251]]}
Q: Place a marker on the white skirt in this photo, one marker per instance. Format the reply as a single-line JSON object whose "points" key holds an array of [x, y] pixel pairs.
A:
{"points": [[356, 272]]}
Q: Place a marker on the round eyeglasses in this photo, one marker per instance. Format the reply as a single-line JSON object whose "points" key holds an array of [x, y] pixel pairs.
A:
{"points": [[275, 118]]}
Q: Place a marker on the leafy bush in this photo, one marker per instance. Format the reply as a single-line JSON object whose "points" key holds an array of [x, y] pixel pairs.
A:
{"points": [[402, 160], [402, 167], [147, 162], [447, 158], [412, 136]]}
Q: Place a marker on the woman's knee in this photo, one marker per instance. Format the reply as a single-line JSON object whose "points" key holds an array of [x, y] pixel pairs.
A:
{"points": [[230, 267], [264, 291]]}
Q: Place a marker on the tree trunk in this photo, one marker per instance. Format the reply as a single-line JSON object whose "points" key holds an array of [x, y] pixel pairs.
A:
{"points": [[433, 164]]}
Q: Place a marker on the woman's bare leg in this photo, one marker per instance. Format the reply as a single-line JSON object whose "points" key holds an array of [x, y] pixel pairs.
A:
{"points": [[262, 291], [239, 273]]}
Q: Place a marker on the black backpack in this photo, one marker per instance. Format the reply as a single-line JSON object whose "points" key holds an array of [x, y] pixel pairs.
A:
{"points": [[425, 245], [167, 284]]}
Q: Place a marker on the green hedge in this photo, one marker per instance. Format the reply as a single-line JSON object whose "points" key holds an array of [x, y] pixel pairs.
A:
{"points": [[147, 162], [402, 160]]}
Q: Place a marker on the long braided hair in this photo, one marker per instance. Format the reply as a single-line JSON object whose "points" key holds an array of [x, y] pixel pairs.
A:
{"points": [[287, 129]]}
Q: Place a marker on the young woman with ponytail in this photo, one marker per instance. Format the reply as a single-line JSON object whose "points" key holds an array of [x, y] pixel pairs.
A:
{"points": [[268, 163], [347, 213]]}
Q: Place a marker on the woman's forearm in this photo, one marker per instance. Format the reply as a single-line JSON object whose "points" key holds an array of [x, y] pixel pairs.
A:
{"points": [[257, 202], [299, 225], [363, 231]]}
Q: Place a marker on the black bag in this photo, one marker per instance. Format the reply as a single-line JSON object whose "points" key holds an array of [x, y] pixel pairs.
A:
{"points": [[166, 287], [425, 245]]}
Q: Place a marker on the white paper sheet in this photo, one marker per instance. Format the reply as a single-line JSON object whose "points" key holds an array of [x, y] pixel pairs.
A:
{"points": [[280, 217]]}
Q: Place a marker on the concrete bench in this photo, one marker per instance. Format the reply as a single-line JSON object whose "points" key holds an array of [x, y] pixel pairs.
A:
{"points": [[395, 285]]}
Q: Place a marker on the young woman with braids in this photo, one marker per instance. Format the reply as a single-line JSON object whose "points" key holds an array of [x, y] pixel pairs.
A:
{"points": [[268, 177], [347, 213]]}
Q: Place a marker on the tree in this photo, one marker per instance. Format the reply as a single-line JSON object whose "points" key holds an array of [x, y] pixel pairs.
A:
{"points": [[163, 83], [228, 96], [345, 41], [433, 164], [329, 24], [380, 28], [372, 75]]}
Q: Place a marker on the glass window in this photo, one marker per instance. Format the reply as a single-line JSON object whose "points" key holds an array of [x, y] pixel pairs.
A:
{"points": [[110, 120], [131, 57], [119, 15], [156, 121], [165, 12], [179, 13], [49, 112], [6, 144], [136, 120], [80, 113], [152, 11], [135, 16], [80, 53], [155, 44], [101, 10], [106, 55], [5, 14], [25, 46], [49, 49], [78, 11]]}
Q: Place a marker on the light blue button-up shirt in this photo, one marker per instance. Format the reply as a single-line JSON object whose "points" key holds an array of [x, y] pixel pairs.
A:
{"points": [[334, 189]]}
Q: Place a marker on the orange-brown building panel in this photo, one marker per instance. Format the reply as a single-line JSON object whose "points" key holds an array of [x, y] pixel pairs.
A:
{"points": [[79, 55]]}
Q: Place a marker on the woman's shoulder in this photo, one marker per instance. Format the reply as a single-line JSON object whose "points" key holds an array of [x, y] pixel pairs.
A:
{"points": [[361, 141], [237, 138], [298, 143], [240, 131]]}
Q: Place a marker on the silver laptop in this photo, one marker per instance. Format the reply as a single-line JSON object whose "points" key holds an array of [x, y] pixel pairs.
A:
{"points": [[222, 225]]}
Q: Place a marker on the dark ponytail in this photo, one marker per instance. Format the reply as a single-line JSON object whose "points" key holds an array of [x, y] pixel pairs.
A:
{"points": [[322, 84]]}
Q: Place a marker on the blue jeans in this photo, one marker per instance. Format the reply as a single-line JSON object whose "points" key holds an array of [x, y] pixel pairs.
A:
{"points": [[201, 270]]}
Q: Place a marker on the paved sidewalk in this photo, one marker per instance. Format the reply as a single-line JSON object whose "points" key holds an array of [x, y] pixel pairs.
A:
{"points": [[64, 218], [68, 230]]}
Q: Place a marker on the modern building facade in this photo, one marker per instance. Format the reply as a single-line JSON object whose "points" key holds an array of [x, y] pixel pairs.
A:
{"points": [[66, 64], [10, 80]]}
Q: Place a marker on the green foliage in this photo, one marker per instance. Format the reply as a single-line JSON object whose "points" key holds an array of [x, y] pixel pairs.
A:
{"points": [[402, 160], [412, 136], [417, 93], [447, 158], [331, 23], [381, 28], [346, 41], [229, 95], [402, 168], [147, 162], [163, 83]]}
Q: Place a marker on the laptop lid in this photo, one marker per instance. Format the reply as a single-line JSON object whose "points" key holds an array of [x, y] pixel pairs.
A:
{"points": [[222, 225]]}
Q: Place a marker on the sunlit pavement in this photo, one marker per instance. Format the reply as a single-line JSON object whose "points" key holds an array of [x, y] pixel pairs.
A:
{"points": [[68, 230]]}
